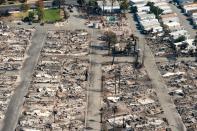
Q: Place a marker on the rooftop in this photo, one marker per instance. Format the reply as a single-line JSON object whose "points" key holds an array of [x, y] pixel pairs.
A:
{"points": [[190, 5], [170, 24], [168, 15]]}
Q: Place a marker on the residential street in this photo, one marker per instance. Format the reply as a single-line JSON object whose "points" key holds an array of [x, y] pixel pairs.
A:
{"points": [[94, 97], [15, 105], [167, 104], [97, 57]]}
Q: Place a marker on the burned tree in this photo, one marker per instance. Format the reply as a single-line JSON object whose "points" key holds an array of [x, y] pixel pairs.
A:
{"points": [[111, 40]]}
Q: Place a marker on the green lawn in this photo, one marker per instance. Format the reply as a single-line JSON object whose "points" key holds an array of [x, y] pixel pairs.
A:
{"points": [[52, 15]]}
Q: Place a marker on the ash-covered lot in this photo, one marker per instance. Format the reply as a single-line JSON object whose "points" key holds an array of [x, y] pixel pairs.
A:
{"points": [[14, 43], [56, 99], [181, 80], [130, 100]]}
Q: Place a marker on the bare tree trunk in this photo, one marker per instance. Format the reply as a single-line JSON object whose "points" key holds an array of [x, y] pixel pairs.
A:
{"points": [[59, 4], [112, 5], [109, 47], [103, 9]]}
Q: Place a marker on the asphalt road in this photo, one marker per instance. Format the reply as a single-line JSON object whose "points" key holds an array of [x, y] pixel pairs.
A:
{"points": [[183, 20], [17, 100], [94, 98], [94, 91], [14, 7], [166, 102]]}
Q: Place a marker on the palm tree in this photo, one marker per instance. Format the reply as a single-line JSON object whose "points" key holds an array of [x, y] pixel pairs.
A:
{"points": [[24, 6], [112, 4], [40, 9], [104, 3], [124, 5]]}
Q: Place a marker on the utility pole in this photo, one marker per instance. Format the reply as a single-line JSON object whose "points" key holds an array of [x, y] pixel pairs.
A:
{"points": [[135, 43], [101, 115], [123, 123], [115, 80], [70, 126], [113, 54], [143, 55], [114, 108], [137, 58], [119, 73], [102, 83], [86, 75]]}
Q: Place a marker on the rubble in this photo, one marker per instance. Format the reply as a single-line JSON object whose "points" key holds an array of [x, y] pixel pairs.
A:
{"points": [[130, 101], [13, 45], [182, 88], [56, 99], [160, 46], [67, 42], [116, 24]]}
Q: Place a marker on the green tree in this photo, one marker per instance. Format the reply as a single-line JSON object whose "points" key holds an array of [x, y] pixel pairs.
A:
{"points": [[40, 9], [124, 5], [104, 4], [112, 5], [91, 6], [92, 3], [40, 14], [24, 7], [31, 15], [134, 9], [154, 9], [150, 4], [2, 1], [180, 39], [111, 39], [58, 3], [22, 1], [81, 2]]}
